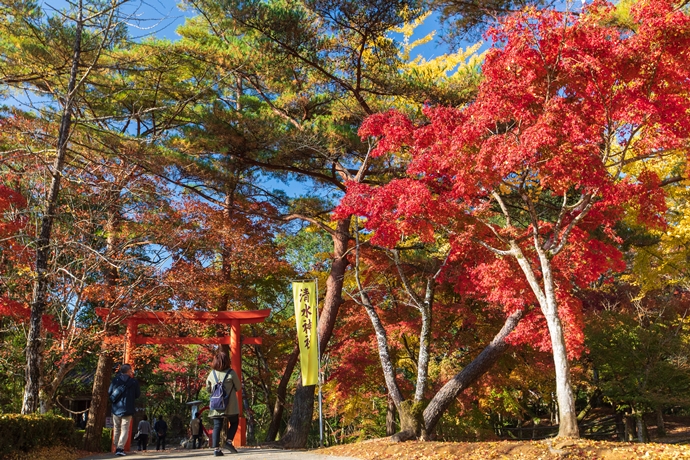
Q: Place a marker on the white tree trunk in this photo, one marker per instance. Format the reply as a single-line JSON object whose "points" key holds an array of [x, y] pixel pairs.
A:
{"points": [[564, 390], [549, 307], [384, 355], [424, 341]]}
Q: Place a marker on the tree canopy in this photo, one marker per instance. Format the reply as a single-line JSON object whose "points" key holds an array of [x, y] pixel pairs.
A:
{"points": [[499, 232]]}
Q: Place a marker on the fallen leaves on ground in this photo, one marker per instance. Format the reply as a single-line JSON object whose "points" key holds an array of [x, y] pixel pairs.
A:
{"points": [[49, 453], [383, 449]]}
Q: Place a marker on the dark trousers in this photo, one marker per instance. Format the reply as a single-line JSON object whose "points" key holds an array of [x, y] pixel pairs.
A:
{"points": [[196, 441], [161, 440], [218, 426], [143, 441]]}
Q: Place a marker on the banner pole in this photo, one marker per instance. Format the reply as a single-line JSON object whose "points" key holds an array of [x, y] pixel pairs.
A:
{"points": [[318, 341]]}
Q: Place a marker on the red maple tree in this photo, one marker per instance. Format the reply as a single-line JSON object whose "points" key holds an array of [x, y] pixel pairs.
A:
{"points": [[530, 179]]}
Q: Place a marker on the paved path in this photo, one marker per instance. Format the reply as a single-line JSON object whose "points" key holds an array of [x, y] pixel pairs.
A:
{"points": [[245, 453]]}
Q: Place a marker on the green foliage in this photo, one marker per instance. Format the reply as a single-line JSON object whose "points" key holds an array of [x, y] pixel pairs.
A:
{"points": [[307, 250], [641, 356], [359, 417], [27, 432], [12, 362], [473, 425]]}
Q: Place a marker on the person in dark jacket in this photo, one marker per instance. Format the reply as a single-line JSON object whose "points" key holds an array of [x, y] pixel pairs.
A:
{"points": [[124, 389], [161, 429]]}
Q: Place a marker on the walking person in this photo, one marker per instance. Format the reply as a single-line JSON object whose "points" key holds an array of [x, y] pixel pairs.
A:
{"points": [[144, 430], [161, 429], [124, 389], [197, 431], [230, 383]]}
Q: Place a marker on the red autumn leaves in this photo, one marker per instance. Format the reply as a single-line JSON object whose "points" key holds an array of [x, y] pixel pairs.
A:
{"points": [[567, 102]]}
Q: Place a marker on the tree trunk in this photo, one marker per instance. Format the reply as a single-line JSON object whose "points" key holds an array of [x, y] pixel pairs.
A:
{"points": [[567, 416], [473, 371], [34, 345], [390, 417], [104, 369], [48, 392], [281, 393], [424, 341], [303, 406], [620, 427], [630, 432], [249, 416], [384, 356], [99, 400], [642, 433], [411, 422], [226, 267], [425, 308], [387, 366], [660, 425], [299, 425], [592, 403]]}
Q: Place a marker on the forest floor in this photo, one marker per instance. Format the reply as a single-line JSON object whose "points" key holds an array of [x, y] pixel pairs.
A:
{"points": [[384, 449], [675, 445]]}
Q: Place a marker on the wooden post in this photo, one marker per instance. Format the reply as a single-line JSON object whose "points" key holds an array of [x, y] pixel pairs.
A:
{"points": [[236, 363]]}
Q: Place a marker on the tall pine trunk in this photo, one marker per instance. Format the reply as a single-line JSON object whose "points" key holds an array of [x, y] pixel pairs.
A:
{"points": [[34, 345], [99, 399], [303, 406], [104, 369]]}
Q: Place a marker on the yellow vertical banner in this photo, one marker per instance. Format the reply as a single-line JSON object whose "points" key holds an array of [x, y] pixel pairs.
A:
{"points": [[304, 293]]}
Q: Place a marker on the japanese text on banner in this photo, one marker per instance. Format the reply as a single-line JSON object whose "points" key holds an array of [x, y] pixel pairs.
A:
{"points": [[304, 294]]}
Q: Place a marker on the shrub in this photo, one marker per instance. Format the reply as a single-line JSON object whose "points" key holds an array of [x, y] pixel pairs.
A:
{"points": [[106, 439], [30, 432]]}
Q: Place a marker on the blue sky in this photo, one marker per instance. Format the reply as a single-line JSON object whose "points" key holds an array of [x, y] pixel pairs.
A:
{"points": [[149, 17]]}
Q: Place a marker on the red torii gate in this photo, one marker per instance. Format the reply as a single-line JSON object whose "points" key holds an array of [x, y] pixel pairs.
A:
{"points": [[234, 340]]}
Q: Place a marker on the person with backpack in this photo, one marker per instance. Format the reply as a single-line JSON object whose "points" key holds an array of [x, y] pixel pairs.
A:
{"points": [[124, 389], [161, 429], [223, 383]]}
